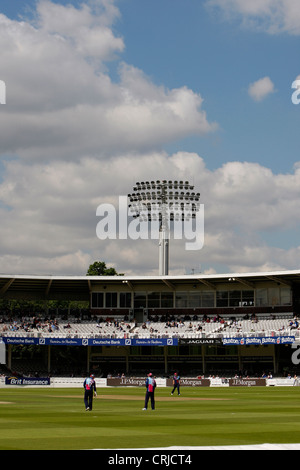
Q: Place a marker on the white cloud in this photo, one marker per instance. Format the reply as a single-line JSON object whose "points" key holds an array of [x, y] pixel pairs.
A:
{"points": [[61, 101], [81, 139], [48, 218], [90, 33], [261, 88], [272, 16]]}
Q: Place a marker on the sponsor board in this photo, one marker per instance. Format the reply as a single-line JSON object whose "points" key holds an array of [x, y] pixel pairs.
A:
{"points": [[12, 380], [200, 341], [125, 382], [258, 340], [89, 341], [241, 382], [190, 382]]}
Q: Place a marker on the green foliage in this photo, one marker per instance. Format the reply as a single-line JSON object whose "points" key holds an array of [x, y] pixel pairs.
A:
{"points": [[99, 268]]}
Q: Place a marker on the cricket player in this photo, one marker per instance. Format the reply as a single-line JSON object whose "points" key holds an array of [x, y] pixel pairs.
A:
{"points": [[150, 389], [176, 383], [89, 392]]}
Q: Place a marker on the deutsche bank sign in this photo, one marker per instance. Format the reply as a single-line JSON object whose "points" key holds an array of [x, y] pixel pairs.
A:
{"points": [[90, 341]]}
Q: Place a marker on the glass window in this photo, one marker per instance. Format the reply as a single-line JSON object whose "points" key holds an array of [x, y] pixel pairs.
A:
{"points": [[247, 298], [235, 297], [97, 300], [195, 299], [285, 296], [153, 299], [111, 299], [208, 299], [261, 297], [181, 300], [274, 297], [140, 300], [166, 300], [222, 299], [125, 300]]}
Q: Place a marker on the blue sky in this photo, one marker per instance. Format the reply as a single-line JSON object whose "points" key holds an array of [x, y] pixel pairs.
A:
{"points": [[184, 43], [198, 58], [187, 43]]}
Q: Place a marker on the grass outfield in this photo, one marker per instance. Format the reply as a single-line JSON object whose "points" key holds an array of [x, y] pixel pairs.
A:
{"points": [[55, 419]]}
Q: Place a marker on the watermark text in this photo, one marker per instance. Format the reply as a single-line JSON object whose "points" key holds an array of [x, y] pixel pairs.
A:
{"points": [[2, 92], [119, 223], [296, 94]]}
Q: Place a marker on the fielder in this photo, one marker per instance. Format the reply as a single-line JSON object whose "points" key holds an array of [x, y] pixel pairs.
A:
{"points": [[89, 392]]}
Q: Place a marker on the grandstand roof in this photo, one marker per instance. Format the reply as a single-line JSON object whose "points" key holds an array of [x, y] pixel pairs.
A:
{"points": [[79, 287]]}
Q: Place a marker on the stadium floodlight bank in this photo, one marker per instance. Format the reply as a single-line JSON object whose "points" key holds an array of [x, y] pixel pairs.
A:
{"points": [[163, 203]]}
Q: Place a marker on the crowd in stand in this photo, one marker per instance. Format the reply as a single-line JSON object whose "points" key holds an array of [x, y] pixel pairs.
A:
{"points": [[15, 323], [154, 326], [28, 324]]}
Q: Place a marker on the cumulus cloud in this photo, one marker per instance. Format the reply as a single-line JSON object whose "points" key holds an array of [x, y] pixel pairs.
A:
{"points": [[272, 16], [80, 139], [49, 219], [61, 100], [90, 33], [261, 89]]}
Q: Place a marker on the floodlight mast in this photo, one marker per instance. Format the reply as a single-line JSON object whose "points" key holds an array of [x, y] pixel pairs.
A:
{"points": [[156, 201], [164, 235]]}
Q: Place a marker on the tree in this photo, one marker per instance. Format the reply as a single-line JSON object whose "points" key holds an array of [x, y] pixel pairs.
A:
{"points": [[99, 268]]}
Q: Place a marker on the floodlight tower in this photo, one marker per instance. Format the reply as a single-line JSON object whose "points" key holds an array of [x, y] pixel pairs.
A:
{"points": [[164, 202]]}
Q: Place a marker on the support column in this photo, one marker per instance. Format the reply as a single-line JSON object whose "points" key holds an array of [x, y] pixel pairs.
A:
{"points": [[127, 360], [241, 365], [275, 364], [9, 356], [203, 358], [166, 358], [88, 359], [49, 359]]}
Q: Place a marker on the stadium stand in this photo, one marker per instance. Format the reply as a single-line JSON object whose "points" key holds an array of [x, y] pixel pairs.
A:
{"points": [[202, 311], [207, 327]]}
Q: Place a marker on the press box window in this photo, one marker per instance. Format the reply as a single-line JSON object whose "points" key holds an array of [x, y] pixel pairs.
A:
{"points": [[181, 300], [222, 299], [235, 298], [97, 300], [125, 300], [153, 299], [111, 299], [247, 298], [166, 300]]}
